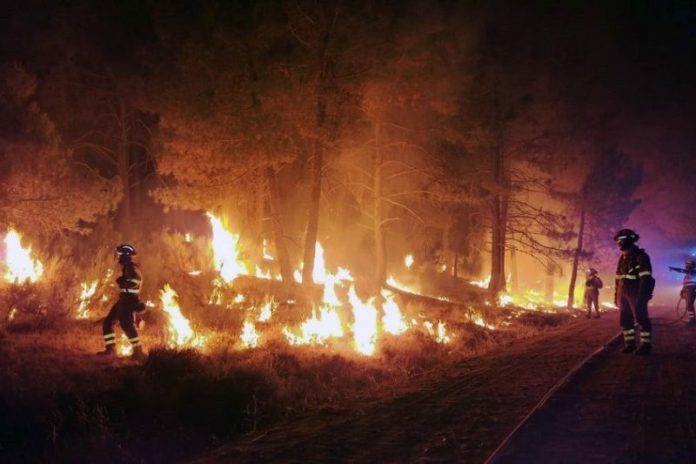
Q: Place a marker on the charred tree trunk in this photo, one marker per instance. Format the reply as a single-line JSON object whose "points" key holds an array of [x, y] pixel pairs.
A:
{"points": [[278, 232], [313, 220], [317, 165], [576, 260], [378, 212]]}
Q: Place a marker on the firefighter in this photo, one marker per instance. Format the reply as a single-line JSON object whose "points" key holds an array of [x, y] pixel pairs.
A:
{"points": [[688, 291], [592, 285], [634, 287], [127, 306]]}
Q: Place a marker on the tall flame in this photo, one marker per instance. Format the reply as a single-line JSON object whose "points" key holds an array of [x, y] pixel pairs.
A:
{"points": [[250, 337], [20, 265], [226, 251], [88, 290], [364, 325], [180, 332], [393, 321]]}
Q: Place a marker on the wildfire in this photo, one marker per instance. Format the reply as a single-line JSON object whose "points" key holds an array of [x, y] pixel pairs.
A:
{"points": [[20, 265], [180, 332], [483, 283], [266, 311], [393, 321], [250, 337], [365, 324], [226, 251], [88, 290], [408, 261], [317, 329]]}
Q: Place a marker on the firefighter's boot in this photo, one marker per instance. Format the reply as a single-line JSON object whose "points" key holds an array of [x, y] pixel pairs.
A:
{"points": [[645, 344], [588, 315], [629, 347], [109, 352], [629, 336], [644, 349], [138, 354], [596, 316], [692, 319]]}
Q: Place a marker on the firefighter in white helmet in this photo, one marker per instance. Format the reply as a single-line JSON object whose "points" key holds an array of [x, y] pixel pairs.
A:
{"points": [[127, 306]]}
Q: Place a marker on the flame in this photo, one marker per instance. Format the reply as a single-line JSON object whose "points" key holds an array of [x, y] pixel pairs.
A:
{"points": [[87, 293], [226, 251], [266, 254], [393, 282], [249, 337], [20, 266], [393, 321], [239, 299], [440, 333], [364, 325], [479, 321], [13, 313], [263, 275], [483, 283], [266, 311], [124, 347], [188, 238], [408, 261], [180, 332], [317, 329]]}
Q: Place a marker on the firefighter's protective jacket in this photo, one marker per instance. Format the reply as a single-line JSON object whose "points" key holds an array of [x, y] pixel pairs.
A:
{"points": [[131, 280], [634, 273]]}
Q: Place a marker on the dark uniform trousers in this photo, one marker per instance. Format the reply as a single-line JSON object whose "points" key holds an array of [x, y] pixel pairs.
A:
{"points": [[632, 309], [123, 312], [689, 294]]}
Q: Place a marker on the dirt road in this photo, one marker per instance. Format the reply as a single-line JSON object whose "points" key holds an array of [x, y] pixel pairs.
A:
{"points": [[456, 416], [620, 409]]}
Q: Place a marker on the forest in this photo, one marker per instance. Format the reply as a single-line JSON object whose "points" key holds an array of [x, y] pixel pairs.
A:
{"points": [[386, 186]]}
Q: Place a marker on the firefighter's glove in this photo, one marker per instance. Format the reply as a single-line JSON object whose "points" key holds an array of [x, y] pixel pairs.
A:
{"points": [[645, 289]]}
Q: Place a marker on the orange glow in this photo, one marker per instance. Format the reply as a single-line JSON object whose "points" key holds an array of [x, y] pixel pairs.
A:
{"points": [[226, 251], [364, 325], [88, 290], [249, 337], [180, 332], [20, 265]]}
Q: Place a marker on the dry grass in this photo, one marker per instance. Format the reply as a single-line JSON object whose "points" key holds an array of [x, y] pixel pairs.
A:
{"points": [[59, 402]]}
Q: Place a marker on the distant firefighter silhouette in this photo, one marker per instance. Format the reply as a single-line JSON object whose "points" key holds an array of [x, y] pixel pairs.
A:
{"points": [[592, 285], [634, 288], [688, 291], [127, 306]]}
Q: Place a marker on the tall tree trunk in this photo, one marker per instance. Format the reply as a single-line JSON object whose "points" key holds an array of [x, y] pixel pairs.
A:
{"points": [[259, 212], [576, 259], [378, 212], [124, 164], [313, 219], [498, 225], [514, 276], [549, 285], [277, 220], [317, 168]]}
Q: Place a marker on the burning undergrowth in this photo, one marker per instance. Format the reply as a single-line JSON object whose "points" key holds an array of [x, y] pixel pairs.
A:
{"points": [[231, 349]]}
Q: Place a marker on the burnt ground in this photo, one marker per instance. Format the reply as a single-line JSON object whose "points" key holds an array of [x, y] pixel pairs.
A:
{"points": [[619, 409], [463, 413]]}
